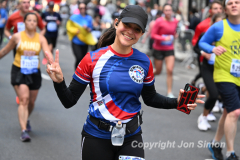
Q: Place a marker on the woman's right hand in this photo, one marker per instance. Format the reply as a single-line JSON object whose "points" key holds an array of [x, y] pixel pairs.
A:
{"points": [[54, 69]]}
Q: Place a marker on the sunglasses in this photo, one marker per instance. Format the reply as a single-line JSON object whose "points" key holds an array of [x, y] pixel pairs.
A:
{"points": [[82, 8]]}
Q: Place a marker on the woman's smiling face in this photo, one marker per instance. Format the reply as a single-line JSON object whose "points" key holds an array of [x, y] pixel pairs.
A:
{"points": [[128, 33]]}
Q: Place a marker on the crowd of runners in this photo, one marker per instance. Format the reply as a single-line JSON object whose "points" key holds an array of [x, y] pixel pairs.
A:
{"points": [[101, 35]]}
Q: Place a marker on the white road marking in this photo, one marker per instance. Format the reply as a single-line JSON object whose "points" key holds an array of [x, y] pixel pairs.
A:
{"points": [[46, 77]]}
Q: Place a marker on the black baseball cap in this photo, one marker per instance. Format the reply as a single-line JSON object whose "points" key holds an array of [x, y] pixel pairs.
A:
{"points": [[51, 4], [134, 14]]}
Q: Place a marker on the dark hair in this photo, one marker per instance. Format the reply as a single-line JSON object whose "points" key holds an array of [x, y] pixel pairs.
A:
{"points": [[108, 37], [215, 2], [30, 13], [97, 15], [80, 2], [194, 10], [216, 16], [159, 14], [167, 4]]}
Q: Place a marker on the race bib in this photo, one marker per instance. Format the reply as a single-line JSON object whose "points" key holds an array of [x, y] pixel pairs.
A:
{"points": [[167, 43], [29, 64], [20, 26], [52, 26], [235, 67]]}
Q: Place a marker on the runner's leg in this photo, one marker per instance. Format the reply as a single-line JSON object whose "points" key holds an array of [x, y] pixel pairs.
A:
{"points": [[230, 128], [169, 60], [158, 66], [32, 99], [23, 94]]}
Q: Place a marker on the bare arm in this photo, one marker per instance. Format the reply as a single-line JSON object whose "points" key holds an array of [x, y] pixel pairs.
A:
{"points": [[44, 45], [149, 32], [11, 44], [7, 32]]}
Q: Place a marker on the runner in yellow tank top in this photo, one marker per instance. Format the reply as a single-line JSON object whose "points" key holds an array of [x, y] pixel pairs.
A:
{"points": [[26, 75], [226, 75]]}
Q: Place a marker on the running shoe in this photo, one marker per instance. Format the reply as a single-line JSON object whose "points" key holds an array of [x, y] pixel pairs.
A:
{"points": [[170, 95], [44, 61], [200, 86], [216, 107], [203, 124], [233, 156], [220, 105], [25, 137], [216, 151], [17, 100], [211, 117], [29, 128]]}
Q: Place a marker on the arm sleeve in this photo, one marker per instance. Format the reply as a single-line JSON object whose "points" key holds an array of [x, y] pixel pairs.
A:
{"points": [[154, 34], [90, 25], [213, 34], [153, 99], [69, 96]]}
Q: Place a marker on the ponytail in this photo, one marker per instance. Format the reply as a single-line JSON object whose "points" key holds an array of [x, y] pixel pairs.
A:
{"points": [[108, 37]]}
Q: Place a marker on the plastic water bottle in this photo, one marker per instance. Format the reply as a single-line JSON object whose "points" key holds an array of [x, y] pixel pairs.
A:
{"points": [[211, 61], [118, 133]]}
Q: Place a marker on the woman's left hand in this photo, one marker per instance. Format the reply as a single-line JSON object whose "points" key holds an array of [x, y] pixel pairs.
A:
{"points": [[194, 105]]}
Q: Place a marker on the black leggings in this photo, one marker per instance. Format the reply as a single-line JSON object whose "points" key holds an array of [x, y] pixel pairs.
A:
{"points": [[199, 74], [79, 52], [207, 75], [102, 149], [1, 35]]}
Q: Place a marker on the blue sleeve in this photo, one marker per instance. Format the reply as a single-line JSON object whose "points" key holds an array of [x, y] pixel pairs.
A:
{"points": [[213, 34], [5, 15], [90, 23]]}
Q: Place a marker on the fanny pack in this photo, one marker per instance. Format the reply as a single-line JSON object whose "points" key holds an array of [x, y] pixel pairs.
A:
{"points": [[131, 126]]}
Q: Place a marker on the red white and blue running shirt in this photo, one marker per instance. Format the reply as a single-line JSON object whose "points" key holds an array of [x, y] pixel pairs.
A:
{"points": [[116, 82]]}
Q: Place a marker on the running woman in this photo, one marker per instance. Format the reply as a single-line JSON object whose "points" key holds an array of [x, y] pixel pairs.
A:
{"points": [[164, 33], [226, 75], [215, 7], [79, 48], [16, 21], [207, 75], [117, 74], [26, 75], [52, 22]]}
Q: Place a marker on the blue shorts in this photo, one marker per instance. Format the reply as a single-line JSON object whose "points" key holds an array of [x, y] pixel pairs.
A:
{"points": [[230, 94]]}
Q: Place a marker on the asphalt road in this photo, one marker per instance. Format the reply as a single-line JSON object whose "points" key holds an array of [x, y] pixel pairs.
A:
{"points": [[56, 131]]}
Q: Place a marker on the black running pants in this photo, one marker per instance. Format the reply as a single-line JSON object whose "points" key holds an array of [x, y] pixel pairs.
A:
{"points": [[207, 75], [79, 52], [94, 148]]}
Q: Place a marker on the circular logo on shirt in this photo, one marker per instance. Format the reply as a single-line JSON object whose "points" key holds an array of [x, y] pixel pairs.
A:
{"points": [[136, 73]]}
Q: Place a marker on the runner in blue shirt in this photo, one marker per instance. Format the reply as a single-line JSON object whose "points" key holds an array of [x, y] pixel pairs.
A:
{"points": [[117, 74], [52, 22]]}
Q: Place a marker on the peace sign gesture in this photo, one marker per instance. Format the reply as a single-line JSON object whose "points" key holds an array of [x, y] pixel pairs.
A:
{"points": [[53, 69]]}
